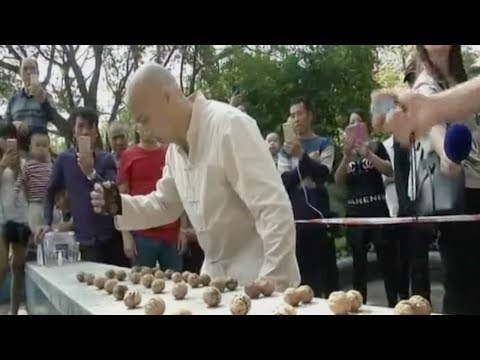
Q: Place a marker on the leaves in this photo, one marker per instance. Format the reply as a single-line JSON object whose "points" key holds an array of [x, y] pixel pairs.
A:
{"points": [[336, 78]]}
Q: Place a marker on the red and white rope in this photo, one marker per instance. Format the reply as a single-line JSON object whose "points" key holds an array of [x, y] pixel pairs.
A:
{"points": [[393, 221]]}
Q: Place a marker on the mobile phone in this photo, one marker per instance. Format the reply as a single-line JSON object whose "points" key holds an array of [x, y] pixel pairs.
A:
{"points": [[84, 145], [358, 132], [382, 104], [12, 145], [34, 79], [289, 132]]}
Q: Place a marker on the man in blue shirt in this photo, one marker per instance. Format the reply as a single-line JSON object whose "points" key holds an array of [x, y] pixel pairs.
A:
{"points": [[30, 107], [76, 173], [305, 165]]}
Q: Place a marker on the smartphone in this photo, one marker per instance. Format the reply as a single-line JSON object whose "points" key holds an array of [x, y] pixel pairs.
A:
{"points": [[34, 79], [84, 145], [382, 104], [358, 132], [289, 132], [12, 145]]}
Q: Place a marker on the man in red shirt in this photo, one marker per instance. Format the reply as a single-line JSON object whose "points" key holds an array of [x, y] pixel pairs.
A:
{"points": [[138, 174]]}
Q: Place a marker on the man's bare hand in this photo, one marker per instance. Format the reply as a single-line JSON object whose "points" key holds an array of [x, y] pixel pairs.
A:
{"points": [[22, 128], [293, 149], [415, 115], [38, 92], [86, 162]]}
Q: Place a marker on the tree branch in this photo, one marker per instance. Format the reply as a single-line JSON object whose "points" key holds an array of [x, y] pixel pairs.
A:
{"points": [[182, 64], [77, 71], [62, 125], [9, 67], [121, 88], [46, 81], [169, 57], [23, 51], [194, 70], [12, 51], [68, 86], [93, 89], [40, 51]]}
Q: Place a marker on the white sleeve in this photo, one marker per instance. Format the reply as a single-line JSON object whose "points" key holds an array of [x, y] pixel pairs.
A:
{"points": [[252, 174], [327, 157], [161, 207], [284, 164]]}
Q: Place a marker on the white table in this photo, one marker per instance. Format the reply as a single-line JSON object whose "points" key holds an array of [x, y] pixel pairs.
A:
{"points": [[69, 297]]}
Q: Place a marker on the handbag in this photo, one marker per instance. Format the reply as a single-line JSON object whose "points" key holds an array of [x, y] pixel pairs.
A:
{"points": [[436, 194]]}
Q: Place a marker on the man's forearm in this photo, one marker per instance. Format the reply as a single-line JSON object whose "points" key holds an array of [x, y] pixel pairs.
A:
{"points": [[459, 102], [146, 211]]}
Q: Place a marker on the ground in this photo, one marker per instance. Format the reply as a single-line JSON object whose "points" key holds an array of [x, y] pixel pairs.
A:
{"points": [[4, 310]]}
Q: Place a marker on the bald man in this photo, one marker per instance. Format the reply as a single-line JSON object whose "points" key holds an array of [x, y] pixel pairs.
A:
{"points": [[30, 106], [219, 170]]}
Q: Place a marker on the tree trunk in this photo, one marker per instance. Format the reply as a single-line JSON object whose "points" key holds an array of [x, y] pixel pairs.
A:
{"points": [[195, 70], [182, 65]]}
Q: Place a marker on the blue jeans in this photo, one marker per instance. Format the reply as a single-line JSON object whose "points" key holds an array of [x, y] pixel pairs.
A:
{"points": [[149, 251]]}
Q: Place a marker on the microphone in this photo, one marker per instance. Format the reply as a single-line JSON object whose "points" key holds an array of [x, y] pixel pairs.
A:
{"points": [[458, 142]]}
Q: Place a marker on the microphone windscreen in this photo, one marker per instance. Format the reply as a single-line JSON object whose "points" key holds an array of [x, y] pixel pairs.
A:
{"points": [[458, 142]]}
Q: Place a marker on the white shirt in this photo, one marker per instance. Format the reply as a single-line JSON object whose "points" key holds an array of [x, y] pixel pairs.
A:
{"points": [[232, 194], [390, 188], [13, 205]]}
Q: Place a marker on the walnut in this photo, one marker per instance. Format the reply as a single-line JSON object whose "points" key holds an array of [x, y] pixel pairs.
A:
{"points": [[132, 299], [179, 290], [356, 300], [158, 286], [155, 306], [240, 304], [306, 294], [339, 303], [231, 284], [212, 296]]}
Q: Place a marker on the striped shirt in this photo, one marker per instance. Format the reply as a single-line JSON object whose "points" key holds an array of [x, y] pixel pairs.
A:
{"points": [[23, 107], [34, 179]]}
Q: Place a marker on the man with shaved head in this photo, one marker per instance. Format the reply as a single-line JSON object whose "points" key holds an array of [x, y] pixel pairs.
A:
{"points": [[219, 170], [30, 106]]}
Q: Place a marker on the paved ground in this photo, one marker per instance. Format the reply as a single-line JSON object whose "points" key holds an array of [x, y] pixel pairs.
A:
{"points": [[4, 310]]}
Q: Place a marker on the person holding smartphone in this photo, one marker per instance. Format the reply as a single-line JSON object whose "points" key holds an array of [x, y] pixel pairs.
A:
{"points": [[14, 230], [30, 106], [360, 172], [305, 162], [76, 171]]}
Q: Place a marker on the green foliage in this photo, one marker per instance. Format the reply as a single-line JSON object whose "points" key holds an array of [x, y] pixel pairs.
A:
{"points": [[471, 61], [388, 77], [336, 78], [342, 248]]}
